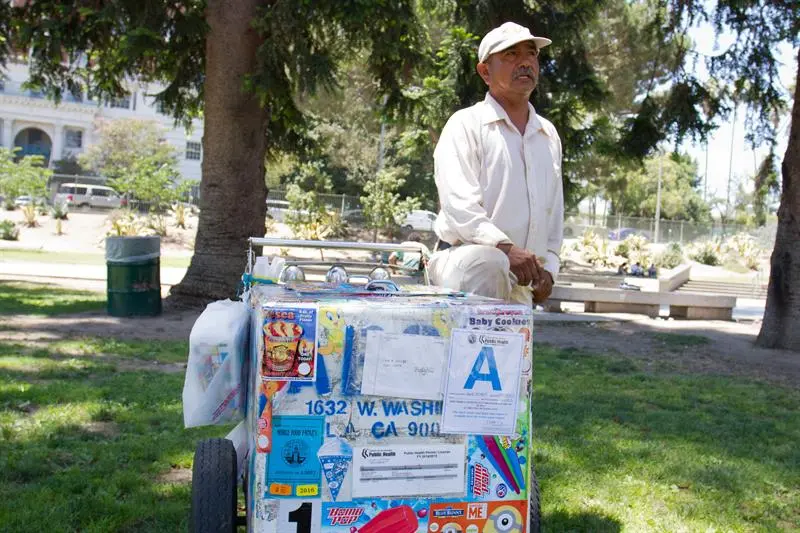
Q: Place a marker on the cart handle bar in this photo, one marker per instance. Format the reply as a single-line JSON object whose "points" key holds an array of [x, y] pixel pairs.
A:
{"points": [[338, 245], [335, 245]]}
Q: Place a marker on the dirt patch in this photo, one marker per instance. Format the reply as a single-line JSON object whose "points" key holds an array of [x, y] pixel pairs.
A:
{"points": [[176, 475], [730, 350]]}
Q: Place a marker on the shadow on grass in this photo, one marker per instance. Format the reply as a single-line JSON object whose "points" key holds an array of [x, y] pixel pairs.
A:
{"points": [[18, 298], [564, 522]]}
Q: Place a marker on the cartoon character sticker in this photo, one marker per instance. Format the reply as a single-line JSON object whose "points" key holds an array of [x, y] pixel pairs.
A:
{"points": [[331, 331], [485, 517]]}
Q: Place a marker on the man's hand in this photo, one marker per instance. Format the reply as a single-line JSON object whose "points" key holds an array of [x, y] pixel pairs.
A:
{"points": [[543, 289], [524, 265]]}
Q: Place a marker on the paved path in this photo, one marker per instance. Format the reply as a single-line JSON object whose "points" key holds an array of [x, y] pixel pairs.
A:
{"points": [[745, 310], [28, 269]]}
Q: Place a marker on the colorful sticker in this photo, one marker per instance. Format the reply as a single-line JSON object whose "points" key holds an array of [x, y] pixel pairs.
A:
{"points": [[376, 516], [290, 340], [335, 456], [484, 517], [293, 460]]}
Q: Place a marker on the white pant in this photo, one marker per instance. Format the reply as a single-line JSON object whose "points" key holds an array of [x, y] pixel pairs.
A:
{"points": [[478, 269]]}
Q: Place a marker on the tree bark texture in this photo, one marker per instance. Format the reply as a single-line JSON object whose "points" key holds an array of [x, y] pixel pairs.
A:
{"points": [[781, 326], [232, 189]]}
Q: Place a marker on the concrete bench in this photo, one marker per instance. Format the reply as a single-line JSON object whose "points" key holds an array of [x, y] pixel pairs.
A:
{"points": [[681, 305]]}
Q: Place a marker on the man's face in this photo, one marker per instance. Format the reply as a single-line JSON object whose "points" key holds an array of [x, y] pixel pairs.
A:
{"points": [[513, 71]]}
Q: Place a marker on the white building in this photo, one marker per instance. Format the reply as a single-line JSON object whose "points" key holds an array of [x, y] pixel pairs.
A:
{"points": [[37, 126]]}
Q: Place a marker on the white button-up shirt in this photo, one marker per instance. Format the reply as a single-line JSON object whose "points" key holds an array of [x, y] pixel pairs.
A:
{"points": [[497, 185]]}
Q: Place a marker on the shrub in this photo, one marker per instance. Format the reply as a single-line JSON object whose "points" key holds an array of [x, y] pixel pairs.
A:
{"points": [[631, 246], [598, 254], [269, 225], [124, 224], [707, 253], [157, 222], [671, 257], [180, 215], [59, 211], [29, 215], [644, 258], [623, 250], [744, 247], [8, 231]]}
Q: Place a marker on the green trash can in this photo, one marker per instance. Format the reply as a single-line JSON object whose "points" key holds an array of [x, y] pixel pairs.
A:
{"points": [[133, 276]]}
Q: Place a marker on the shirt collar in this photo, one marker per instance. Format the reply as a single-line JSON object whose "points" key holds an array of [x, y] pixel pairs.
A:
{"points": [[493, 111]]}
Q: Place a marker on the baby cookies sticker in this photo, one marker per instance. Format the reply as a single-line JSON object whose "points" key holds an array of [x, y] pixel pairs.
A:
{"points": [[290, 340]]}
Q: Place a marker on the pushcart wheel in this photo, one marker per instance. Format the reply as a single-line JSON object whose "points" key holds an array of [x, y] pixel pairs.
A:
{"points": [[535, 523], [213, 487]]}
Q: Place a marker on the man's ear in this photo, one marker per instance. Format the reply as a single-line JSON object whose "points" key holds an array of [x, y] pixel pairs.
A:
{"points": [[483, 72]]}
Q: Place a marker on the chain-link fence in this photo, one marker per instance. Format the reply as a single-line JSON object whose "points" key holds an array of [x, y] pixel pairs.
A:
{"points": [[617, 228], [341, 203], [612, 227]]}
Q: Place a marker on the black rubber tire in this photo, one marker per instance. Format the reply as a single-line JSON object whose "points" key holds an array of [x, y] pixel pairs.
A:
{"points": [[535, 523], [213, 487]]}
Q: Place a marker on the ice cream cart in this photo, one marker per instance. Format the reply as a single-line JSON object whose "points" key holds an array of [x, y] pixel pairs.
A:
{"points": [[374, 408]]}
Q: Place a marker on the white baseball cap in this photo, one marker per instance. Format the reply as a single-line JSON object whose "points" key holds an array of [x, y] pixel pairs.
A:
{"points": [[507, 36]]}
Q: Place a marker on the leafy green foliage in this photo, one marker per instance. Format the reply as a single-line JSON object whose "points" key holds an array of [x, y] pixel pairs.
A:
{"points": [[382, 204], [766, 183], [137, 161], [308, 216], [107, 42], [59, 211], [8, 230], [19, 176], [680, 199]]}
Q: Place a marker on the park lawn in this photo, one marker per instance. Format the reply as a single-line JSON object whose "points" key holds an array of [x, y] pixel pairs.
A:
{"points": [[45, 299], [619, 448], [77, 258], [86, 445]]}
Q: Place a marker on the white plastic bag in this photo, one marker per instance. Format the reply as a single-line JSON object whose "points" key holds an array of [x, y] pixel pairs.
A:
{"points": [[215, 389]]}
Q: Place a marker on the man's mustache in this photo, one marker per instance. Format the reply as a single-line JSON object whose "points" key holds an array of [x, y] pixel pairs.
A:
{"points": [[524, 71]]}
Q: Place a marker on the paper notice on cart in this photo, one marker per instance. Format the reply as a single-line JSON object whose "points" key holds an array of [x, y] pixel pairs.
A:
{"points": [[404, 366], [408, 470], [482, 383]]}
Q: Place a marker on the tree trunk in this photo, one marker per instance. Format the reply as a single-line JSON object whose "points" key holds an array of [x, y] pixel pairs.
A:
{"points": [[781, 326], [232, 189]]}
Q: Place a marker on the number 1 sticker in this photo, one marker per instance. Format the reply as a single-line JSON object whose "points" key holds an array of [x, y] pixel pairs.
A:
{"points": [[300, 516]]}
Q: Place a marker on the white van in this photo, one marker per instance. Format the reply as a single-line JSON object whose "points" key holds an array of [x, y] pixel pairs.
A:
{"points": [[85, 196]]}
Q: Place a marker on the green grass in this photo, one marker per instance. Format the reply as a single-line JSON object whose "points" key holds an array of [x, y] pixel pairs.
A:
{"points": [[680, 340], [84, 444], [46, 299], [36, 256], [619, 449]]}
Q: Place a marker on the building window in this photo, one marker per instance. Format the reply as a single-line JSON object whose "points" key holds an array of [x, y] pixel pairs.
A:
{"points": [[123, 102], [193, 150], [161, 108], [73, 139]]}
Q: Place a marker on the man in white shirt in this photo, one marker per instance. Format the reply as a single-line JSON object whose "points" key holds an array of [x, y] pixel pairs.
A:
{"points": [[498, 173]]}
